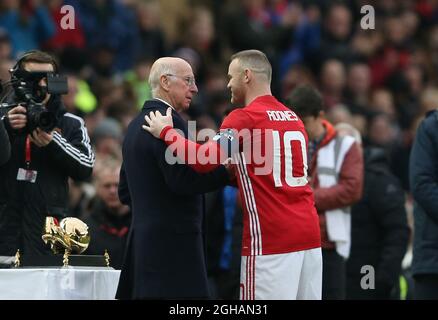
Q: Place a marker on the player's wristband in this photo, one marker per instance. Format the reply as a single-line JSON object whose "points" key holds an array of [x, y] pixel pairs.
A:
{"points": [[164, 132]]}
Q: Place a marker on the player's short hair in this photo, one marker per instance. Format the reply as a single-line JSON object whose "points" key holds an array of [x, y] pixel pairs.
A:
{"points": [[305, 101], [159, 68], [254, 60]]}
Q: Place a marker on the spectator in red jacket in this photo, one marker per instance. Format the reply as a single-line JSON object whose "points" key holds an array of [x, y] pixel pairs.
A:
{"points": [[336, 171]]}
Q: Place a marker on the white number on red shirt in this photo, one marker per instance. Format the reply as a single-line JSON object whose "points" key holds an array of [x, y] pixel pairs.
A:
{"points": [[292, 157]]}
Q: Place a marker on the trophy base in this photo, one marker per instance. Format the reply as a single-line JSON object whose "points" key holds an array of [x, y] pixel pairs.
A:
{"points": [[28, 261]]}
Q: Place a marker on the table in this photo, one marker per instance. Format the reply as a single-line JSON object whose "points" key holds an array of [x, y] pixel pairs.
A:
{"points": [[66, 283]]}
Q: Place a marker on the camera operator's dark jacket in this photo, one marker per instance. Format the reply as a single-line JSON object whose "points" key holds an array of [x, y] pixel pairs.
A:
{"points": [[24, 205], [5, 146]]}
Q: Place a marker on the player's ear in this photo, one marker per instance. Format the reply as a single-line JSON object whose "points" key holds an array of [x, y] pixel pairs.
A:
{"points": [[247, 75]]}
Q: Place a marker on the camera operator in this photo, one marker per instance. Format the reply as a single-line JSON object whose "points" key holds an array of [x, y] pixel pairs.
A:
{"points": [[48, 146]]}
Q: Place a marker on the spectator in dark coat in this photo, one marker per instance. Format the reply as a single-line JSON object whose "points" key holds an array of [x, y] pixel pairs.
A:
{"points": [[336, 33], [423, 172], [336, 176], [109, 219], [379, 230]]}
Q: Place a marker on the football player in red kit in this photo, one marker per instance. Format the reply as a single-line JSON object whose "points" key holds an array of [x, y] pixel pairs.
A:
{"points": [[281, 254]]}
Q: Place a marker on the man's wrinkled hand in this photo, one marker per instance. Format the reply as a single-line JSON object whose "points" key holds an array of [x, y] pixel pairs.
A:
{"points": [[41, 138], [157, 122]]}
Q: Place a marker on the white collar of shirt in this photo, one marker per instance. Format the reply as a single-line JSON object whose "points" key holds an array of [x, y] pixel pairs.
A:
{"points": [[165, 102]]}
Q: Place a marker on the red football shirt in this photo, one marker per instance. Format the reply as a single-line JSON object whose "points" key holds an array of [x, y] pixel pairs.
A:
{"points": [[278, 206], [279, 211]]}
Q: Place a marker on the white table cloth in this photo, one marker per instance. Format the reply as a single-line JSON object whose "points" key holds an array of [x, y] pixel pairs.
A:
{"points": [[67, 283]]}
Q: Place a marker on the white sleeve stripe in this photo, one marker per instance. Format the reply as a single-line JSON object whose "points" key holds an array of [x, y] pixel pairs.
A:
{"points": [[85, 137], [256, 247], [72, 151], [72, 148], [66, 146], [87, 164]]}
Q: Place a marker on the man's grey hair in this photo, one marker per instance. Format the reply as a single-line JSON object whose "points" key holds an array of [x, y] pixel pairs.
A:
{"points": [[159, 68], [254, 60]]}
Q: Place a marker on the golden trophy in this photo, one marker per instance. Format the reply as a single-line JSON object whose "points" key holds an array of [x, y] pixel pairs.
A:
{"points": [[69, 236], [67, 239]]}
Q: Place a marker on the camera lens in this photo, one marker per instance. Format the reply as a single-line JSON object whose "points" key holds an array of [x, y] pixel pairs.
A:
{"points": [[38, 117], [46, 121]]}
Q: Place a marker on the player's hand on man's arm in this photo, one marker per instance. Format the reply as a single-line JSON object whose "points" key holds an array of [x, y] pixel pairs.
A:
{"points": [[17, 117], [41, 138], [157, 122]]}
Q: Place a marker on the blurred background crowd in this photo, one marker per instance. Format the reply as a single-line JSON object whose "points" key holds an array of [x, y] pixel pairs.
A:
{"points": [[382, 81]]}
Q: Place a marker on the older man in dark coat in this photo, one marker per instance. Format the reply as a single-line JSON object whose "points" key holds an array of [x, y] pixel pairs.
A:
{"points": [[165, 251]]}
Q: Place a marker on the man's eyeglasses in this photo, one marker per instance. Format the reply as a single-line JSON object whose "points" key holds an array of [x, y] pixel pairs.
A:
{"points": [[190, 81]]}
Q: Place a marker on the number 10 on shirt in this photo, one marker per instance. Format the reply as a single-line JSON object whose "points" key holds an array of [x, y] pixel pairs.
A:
{"points": [[290, 158]]}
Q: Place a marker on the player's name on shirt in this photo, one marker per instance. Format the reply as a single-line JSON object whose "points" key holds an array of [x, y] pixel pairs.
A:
{"points": [[276, 115]]}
